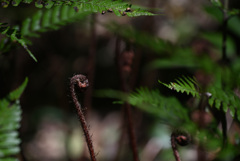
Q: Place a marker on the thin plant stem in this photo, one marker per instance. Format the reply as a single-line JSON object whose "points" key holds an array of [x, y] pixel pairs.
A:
{"points": [[224, 33], [81, 82], [126, 106], [224, 60], [128, 113], [91, 63], [224, 125], [201, 155]]}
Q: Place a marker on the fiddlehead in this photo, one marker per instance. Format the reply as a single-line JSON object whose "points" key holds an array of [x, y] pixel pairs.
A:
{"points": [[81, 82], [180, 138]]}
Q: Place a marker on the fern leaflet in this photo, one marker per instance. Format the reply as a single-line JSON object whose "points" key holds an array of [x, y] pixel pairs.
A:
{"points": [[15, 36], [168, 109], [51, 19], [10, 116], [119, 7], [225, 99], [218, 97], [184, 84]]}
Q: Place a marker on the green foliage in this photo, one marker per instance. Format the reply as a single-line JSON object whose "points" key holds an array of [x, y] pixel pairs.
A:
{"points": [[167, 109], [10, 117], [119, 7], [52, 19], [61, 13], [225, 99], [218, 97], [184, 84], [217, 3], [140, 38], [216, 40], [15, 36]]}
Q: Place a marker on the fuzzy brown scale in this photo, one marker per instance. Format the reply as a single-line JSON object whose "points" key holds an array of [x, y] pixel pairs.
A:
{"points": [[81, 82]]}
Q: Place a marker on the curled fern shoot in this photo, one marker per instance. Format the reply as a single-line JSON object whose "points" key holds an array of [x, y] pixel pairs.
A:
{"points": [[81, 82]]}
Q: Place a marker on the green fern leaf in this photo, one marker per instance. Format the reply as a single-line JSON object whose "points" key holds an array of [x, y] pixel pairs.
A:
{"points": [[15, 36], [16, 2], [225, 98], [140, 38], [217, 3], [218, 97], [119, 7], [52, 19], [139, 12], [168, 109], [184, 84], [10, 116]]}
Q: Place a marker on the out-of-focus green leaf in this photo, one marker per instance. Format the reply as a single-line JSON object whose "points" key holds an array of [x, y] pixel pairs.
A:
{"points": [[216, 40], [17, 93], [10, 117], [234, 24], [214, 12], [217, 3], [15, 36]]}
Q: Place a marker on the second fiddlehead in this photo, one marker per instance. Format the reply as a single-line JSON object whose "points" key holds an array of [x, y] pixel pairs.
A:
{"points": [[180, 138]]}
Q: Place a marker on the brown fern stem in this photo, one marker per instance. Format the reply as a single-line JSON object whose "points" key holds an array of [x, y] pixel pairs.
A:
{"points": [[124, 77], [174, 147], [225, 61], [131, 133], [82, 83], [181, 138]]}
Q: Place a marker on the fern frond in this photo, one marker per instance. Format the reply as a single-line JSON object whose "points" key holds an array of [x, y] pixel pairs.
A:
{"points": [[10, 116], [225, 99], [140, 38], [51, 19], [184, 84], [15, 36], [119, 7], [218, 97], [167, 109]]}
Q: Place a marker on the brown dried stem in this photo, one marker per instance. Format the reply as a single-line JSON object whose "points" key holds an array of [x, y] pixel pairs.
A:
{"points": [[124, 73], [82, 83]]}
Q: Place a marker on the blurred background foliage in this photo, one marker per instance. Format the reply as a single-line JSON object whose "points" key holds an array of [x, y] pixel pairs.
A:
{"points": [[183, 38]]}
